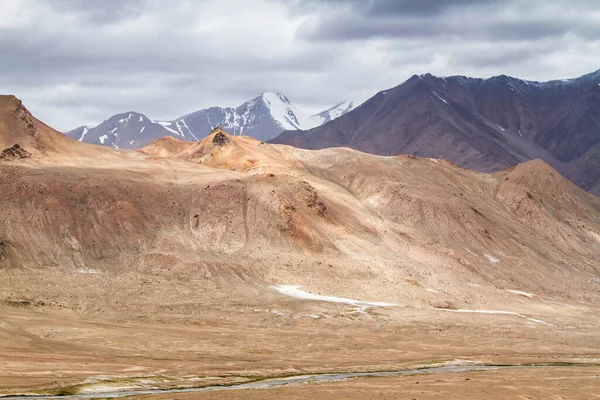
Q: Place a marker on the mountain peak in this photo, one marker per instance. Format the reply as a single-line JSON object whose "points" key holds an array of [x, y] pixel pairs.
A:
{"points": [[22, 134], [479, 124], [16, 122], [273, 95], [334, 112], [9, 101], [285, 114]]}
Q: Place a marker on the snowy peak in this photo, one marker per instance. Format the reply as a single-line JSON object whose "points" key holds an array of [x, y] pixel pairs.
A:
{"points": [[129, 130], [263, 118], [285, 114], [334, 112]]}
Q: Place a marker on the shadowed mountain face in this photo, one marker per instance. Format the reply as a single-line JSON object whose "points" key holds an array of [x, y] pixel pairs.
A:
{"points": [[484, 125]]}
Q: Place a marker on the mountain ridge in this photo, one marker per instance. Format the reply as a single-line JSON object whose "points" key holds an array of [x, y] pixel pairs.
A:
{"points": [[481, 124], [262, 117]]}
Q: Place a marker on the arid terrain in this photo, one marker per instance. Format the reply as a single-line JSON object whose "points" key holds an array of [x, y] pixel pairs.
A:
{"points": [[548, 383], [230, 260], [481, 124]]}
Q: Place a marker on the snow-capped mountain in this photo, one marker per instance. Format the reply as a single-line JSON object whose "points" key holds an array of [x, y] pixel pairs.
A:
{"points": [[334, 112], [263, 117], [129, 130]]}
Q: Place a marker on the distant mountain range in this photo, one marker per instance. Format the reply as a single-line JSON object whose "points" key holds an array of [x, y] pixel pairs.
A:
{"points": [[480, 124], [263, 118]]}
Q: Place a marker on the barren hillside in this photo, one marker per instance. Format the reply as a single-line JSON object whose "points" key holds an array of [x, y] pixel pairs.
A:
{"points": [[178, 259], [481, 124]]}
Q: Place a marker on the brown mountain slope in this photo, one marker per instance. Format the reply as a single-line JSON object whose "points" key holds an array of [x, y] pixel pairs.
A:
{"points": [[484, 125], [330, 203], [167, 146], [19, 127], [37, 142], [126, 264]]}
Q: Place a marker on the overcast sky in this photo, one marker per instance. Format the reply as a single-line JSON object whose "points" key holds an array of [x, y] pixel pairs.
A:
{"points": [[77, 62]]}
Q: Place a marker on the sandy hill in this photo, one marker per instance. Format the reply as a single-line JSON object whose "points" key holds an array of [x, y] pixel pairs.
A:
{"points": [[20, 128], [195, 235]]}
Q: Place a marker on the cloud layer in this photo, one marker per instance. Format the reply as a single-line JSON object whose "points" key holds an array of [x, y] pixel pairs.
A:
{"points": [[77, 62]]}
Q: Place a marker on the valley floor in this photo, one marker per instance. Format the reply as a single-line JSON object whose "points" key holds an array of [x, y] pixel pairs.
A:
{"points": [[553, 383], [50, 352]]}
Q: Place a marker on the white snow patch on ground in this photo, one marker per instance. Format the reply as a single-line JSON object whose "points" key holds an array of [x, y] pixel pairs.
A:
{"points": [[166, 126], [539, 321], [142, 130], [471, 252], [501, 128], [432, 290], [522, 293], [492, 259], [141, 119], [460, 310], [87, 271], [189, 130], [103, 138], [85, 131], [496, 312], [294, 291], [312, 316], [439, 97]]}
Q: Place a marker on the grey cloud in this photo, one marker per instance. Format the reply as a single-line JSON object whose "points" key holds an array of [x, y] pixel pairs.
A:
{"points": [[419, 7], [497, 57], [105, 11], [490, 20], [78, 61]]}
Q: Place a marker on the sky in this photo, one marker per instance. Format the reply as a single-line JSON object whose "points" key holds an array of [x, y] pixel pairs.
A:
{"points": [[76, 62]]}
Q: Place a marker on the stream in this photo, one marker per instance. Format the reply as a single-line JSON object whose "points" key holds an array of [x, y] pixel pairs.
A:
{"points": [[283, 381]]}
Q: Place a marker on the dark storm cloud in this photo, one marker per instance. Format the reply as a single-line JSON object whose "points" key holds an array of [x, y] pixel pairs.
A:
{"points": [[80, 61], [419, 7], [492, 20]]}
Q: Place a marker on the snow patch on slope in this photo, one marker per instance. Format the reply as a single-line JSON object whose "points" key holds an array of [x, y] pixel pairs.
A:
{"points": [[440, 97], [294, 291], [286, 114], [495, 312], [83, 133], [166, 124], [334, 112], [492, 259]]}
